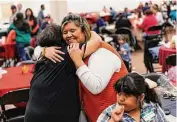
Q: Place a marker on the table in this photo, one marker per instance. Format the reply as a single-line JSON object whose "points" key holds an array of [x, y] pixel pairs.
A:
{"points": [[14, 79], [163, 54], [3, 29]]}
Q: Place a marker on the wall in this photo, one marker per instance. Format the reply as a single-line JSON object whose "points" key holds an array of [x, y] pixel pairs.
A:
{"points": [[78, 6]]}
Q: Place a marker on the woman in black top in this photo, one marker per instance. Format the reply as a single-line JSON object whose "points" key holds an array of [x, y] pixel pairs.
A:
{"points": [[32, 20], [54, 92]]}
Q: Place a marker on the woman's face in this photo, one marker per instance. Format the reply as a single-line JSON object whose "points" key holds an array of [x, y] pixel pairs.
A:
{"points": [[129, 102], [72, 33], [28, 13]]}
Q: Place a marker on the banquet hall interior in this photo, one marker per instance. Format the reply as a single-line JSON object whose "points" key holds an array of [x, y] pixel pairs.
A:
{"points": [[143, 32]]}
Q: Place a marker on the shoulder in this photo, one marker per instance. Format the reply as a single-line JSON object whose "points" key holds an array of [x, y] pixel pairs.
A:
{"points": [[104, 53]]}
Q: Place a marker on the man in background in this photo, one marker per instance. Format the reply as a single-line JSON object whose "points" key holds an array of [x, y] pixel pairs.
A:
{"points": [[14, 12], [20, 9], [41, 14]]}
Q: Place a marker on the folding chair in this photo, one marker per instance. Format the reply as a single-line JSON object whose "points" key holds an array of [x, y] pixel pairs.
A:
{"points": [[13, 97], [151, 41]]}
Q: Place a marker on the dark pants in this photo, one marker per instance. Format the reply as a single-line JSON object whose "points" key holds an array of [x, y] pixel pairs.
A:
{"points": [[128, 65], [20, 50]]}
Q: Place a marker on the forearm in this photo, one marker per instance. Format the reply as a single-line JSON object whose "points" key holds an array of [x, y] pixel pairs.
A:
{"points": [[92, 82]]}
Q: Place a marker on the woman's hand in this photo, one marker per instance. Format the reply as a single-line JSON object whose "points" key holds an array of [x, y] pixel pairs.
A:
{"points": [[53, 53], [117, 114], [76, 54]]}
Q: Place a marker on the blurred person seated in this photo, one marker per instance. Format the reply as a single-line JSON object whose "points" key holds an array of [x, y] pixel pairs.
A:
{"points": [[171, 74], [148, 21], [113, 13], [126, 12], [123, 22], [146, 7], [157, 13], [124, 50], [47, 20], [14, 12], [32, 20], [105, 9], [22, 30], [140, 6], [136, 102], [99, 24], [138, 19], [169, 39]]}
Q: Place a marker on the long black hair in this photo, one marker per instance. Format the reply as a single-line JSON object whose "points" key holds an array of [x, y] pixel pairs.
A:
{"points": [[32, 17], [20, 23], [134, 84]]}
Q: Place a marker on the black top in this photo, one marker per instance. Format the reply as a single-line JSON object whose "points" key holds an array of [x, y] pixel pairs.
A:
{"points": [[123, 22], [54, 92]]}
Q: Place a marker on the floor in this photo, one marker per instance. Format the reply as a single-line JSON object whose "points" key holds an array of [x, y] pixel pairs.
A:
{"points": [[138, 63]]}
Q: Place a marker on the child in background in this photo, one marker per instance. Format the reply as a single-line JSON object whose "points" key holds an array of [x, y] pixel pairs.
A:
{"points": [[124, 51], [136, 102]]}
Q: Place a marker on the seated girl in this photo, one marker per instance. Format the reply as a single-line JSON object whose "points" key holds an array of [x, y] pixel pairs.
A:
{"points": [[135, 102]]}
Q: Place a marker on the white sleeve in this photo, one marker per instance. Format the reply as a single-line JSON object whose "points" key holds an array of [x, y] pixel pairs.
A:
{"points": [[101, 66], [37, 52]]}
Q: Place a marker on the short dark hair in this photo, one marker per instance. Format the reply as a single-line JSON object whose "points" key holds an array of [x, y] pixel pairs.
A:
{"points": [[50, 36], [42, 5], [13, 7]]}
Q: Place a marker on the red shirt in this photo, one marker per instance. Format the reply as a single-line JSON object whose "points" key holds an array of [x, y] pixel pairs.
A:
{"points": [[148, 22], [95, 104]]}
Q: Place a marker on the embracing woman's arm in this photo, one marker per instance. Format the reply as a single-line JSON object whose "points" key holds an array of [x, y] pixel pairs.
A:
{"points": [[53, 53], [101, 66]]}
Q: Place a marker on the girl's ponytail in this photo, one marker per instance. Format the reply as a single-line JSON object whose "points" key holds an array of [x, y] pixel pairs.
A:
{"points": [[150, 95]]}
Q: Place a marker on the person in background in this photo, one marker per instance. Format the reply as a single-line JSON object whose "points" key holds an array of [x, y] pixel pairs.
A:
{"points": [[173, 12], [140, 6], [113, 13], [105, 9], [47, 20], [138, 20], [148, 21], [123, 22], [14, 12], [22, 30], [32, 20], [146, 7], [126, 12], [20, 9], [41, 14], [124, 51], [100, 24], [136, 102], [158, 15]]}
